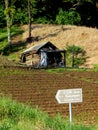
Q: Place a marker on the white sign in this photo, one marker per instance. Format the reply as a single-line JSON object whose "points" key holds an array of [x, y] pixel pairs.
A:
{"points": [[69, 96]]}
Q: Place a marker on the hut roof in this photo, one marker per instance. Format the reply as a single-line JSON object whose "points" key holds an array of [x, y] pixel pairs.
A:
{"points": [[37, 47]]}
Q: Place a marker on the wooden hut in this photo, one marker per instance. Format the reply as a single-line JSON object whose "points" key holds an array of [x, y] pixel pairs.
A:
{"points": [[44, 55]]}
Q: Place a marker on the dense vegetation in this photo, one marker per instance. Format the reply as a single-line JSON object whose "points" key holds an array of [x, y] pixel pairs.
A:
{"points": [[49, 11]]}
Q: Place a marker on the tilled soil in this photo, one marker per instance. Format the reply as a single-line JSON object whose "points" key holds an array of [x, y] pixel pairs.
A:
{"points": [[39, 87]]}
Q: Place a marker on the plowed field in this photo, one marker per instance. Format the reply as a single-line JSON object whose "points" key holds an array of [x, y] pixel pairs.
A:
{"points": [[39, 87]]}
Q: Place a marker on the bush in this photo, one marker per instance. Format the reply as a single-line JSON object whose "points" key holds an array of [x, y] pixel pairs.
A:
{"points": [[68, 17], [77, 53], [21, 17]]}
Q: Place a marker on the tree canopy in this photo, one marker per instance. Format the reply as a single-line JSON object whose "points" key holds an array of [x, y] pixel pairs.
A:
{"points": [[47, 11]]}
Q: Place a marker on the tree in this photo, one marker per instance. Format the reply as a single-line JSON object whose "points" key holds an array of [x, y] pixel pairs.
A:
{"points": [[29, 19], [68, 17], [9, 12], [8, 21], [77, 53], [31, 11]]}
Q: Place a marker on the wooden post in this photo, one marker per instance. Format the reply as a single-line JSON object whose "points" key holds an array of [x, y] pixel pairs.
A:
{"points": [[64, 58]]}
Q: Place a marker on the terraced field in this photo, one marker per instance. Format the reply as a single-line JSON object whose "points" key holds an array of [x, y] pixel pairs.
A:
{"points": [[39, 87]]}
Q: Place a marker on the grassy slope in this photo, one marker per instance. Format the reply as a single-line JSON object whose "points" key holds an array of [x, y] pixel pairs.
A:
{"points": [[15, 116], [81, 36], [16, 34]]}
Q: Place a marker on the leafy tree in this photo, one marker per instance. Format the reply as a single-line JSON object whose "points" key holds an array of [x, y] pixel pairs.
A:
{"points": [[47, 11], [9, 12], [77, 53], [68, 17]]}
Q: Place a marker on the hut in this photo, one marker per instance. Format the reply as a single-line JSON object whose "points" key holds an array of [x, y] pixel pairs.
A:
{"points": [[44, 55]]}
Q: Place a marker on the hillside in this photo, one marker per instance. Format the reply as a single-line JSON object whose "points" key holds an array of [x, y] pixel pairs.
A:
{"points": [[80, 36], [17, 116]]}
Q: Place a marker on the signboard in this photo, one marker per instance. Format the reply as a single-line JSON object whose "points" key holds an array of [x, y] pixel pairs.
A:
{"points": [[69, 96]]}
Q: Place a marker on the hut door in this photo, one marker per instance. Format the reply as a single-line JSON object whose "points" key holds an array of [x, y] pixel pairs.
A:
{"points": [[43, 61]]}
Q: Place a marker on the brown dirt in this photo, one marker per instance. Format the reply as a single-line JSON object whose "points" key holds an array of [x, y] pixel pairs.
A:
{"points": [[84, 37], [38, 88]]}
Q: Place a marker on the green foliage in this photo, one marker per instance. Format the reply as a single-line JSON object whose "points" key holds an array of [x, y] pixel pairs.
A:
{"points": [[21, 17], [16, 116], [2, 17], [4, 48], [45, 12], [9, 13], [58, 123], [75, 49], [78, 55], [95, 68], [33, 7], [68, 17]]}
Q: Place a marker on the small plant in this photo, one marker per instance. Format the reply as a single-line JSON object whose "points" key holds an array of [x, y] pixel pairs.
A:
{"points": [[96, 66], [77, 54]]}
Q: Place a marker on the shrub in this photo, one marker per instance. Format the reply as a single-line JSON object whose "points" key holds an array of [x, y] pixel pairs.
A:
{"points": [[77, 53], [68, 17]]}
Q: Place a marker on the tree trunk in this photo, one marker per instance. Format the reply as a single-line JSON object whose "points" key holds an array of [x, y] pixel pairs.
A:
{"points": [[29, 17], [8, 22]]}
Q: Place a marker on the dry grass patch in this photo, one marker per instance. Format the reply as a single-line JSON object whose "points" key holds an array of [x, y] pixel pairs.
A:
{"points": [[77, 35]]}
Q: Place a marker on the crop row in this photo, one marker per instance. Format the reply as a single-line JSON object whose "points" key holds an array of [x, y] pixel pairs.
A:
{"points": [[39, 88]]}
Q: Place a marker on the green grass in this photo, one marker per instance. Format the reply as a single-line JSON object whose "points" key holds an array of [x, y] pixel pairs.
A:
{"points": [[15, 30], [17, 116], [60, 70]]}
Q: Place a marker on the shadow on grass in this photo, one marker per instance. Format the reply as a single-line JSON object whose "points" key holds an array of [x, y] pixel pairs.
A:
{"points": [[8, 49], [55, 33]]}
